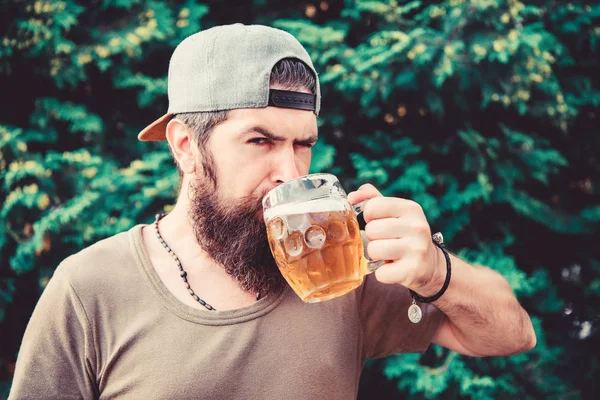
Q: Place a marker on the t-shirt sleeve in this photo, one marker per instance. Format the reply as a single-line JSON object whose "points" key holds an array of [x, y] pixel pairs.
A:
{"points": [[56, 358], [384, 319]]}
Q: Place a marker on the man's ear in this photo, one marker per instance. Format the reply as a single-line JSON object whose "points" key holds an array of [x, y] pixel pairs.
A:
{"points": [[181, 143]]}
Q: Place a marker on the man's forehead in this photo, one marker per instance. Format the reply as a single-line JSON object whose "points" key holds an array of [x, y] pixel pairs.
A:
{"points": [[280, 122]]}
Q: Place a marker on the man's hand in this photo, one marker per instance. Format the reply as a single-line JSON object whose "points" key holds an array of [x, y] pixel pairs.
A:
{"points": [[399, 233], [483, 317]]}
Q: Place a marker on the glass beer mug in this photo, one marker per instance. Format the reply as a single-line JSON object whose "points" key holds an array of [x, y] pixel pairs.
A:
{"points": [[314, 237]]}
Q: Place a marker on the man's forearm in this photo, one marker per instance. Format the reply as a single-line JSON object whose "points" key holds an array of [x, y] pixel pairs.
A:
{"points": [[483, 312]]}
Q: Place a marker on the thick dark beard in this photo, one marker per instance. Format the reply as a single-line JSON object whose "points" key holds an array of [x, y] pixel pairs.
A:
{"points": [[233, 234]]}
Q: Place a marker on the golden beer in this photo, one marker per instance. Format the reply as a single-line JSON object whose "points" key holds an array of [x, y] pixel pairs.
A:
{"points": [[318, 247]]}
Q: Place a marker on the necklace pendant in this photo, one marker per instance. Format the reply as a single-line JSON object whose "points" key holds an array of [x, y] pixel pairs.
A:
{"points": [[414, 312]]}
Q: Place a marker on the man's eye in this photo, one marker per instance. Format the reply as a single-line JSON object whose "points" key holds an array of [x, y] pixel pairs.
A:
{"points": [[259, 141]]}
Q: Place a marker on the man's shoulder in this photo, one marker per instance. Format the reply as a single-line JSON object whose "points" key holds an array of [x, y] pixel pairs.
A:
{"points": [[106, 259]]}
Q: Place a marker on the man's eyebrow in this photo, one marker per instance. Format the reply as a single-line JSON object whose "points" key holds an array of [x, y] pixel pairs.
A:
{"points": [[308, 141], [270, 135], [266, 133]]}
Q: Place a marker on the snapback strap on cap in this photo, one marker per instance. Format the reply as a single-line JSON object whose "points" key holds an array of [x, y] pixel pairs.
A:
{"points": [[288, 99]]}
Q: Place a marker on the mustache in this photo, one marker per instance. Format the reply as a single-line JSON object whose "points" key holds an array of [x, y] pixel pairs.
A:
{"points": [[249, 202]]}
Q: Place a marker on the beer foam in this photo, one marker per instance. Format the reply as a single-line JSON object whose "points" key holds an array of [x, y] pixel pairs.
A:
{"points": [[306, 207]]}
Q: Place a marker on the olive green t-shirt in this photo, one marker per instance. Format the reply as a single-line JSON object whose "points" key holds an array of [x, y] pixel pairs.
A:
{"points": [[107, 327]]}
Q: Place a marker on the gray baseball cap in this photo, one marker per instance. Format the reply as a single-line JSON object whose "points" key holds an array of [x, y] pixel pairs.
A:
{"points": [[229, 67]]}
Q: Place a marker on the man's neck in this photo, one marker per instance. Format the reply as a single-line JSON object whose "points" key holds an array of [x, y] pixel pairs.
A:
{"points": [[207, 278]]}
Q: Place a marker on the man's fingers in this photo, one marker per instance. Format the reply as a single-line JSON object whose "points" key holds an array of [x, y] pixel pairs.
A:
{"points": [[386, 249], [396, 249], [387, 228], [368, 186], [391, 273], [365, 192], [391, 207]]}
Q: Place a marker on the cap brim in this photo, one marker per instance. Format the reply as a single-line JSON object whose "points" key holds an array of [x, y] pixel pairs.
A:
{"points": [[157, 130]]}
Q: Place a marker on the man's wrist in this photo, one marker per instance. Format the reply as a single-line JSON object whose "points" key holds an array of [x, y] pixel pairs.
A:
{"points": [[439, 275]]}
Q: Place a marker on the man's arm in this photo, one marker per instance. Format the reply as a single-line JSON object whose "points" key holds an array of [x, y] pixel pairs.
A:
{"points": [[56, 358], [483, 317]]}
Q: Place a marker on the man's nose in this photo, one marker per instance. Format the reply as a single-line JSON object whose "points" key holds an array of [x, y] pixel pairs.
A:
{"points": [[285, 168]]}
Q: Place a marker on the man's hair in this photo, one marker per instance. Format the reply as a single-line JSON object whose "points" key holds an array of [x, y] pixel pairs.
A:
{"points": [[289, 74]]}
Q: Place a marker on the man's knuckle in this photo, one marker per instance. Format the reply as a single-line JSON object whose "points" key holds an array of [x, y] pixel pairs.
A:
{"points": [[421, 227], [413, 205]]}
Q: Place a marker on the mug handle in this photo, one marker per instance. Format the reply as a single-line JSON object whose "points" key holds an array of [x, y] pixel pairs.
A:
{"points": [[371, 265]]}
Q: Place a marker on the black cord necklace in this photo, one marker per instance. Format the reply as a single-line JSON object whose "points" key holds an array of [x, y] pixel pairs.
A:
{"points": [[182, 272]]}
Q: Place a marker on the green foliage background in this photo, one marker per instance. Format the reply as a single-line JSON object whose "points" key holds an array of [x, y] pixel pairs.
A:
{"points": [[483, 111]]}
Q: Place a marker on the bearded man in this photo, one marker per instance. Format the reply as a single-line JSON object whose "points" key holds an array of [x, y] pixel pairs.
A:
{"points": [[193, 306]]}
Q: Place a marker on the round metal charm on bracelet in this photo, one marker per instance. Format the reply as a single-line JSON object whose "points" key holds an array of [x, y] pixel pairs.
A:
{"points": [[414, 313]]}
